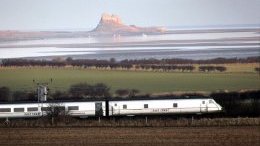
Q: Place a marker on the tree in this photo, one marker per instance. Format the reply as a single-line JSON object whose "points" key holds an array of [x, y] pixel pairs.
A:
{"points": [[58, 95], [133, 92], [19, 96], [100, 90], [69, 59], [56, 112], [83, 90], [257, 69], [221, 68], [112, 60], [122, 92]]}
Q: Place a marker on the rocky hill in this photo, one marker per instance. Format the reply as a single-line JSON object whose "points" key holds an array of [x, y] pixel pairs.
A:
{"points": [[113, 25]]}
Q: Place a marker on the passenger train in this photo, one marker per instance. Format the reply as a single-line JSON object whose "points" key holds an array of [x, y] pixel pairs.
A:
{"points": [[99, 108]]}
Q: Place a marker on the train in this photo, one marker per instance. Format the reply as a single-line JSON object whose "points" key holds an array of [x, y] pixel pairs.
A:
{"points": [[112, 107]]}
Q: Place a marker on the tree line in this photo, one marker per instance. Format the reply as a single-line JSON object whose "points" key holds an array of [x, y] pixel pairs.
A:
{"points": [[212, 68], [182, 68], [255, 59], [123, 63], [75, 92], [112, 64]]}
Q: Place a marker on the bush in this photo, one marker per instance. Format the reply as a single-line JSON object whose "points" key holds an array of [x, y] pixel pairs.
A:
{"points": [[24, 96], [58, 95], [84, 90], [122, 92], [133, 92], [239, 103], [4, 94]]}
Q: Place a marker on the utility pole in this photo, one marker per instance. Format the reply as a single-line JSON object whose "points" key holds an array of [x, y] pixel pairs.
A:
{"points": [[42, 90]]}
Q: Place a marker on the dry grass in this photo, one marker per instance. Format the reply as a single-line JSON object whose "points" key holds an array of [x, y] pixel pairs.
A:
{"points": [[145, 136], [134, 122]]}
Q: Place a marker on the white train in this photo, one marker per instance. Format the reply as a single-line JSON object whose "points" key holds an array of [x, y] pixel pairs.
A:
{"points": [[113, 107]]}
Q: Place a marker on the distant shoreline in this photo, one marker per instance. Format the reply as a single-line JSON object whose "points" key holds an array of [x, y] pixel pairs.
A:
{"points": [[186, 44]]}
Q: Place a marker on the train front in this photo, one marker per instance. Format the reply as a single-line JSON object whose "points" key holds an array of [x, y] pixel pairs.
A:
{"points": [[213, 106]]}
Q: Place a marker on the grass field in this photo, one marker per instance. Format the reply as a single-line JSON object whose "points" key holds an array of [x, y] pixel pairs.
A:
{"points": [[145, 81], [145, 136]]}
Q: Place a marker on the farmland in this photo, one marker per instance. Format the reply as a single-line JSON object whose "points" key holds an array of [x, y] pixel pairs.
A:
{"points": [[236, 78], [98, 136]]}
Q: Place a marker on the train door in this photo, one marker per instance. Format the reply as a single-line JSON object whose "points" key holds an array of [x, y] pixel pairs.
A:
{"points": [[98, 109], [203, 106], [113, 108]]}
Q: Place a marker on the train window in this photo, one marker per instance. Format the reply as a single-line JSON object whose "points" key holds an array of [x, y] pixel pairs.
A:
{"points": [[203, 102], [31, 109], [18, 109], [124, 106], [73, 108], [5, 109], [211, 101], [175, 104], [145, 105], [44, 108]]}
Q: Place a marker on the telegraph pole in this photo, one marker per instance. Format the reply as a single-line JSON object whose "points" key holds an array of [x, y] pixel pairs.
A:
{"points": [[42, 90]]}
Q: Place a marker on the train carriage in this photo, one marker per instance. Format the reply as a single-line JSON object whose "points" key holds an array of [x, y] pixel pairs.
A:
{"points": [[31, 110]]}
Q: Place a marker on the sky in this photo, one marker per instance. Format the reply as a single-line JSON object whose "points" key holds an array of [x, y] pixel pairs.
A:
{"points": [[85, 14]]}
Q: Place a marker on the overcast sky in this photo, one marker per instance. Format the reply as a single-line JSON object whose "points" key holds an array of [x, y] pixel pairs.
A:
{"points": [[80, 14]]}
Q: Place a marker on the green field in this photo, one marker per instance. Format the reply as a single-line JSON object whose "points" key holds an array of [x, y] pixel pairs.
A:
{"points": [[145, 81]]}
